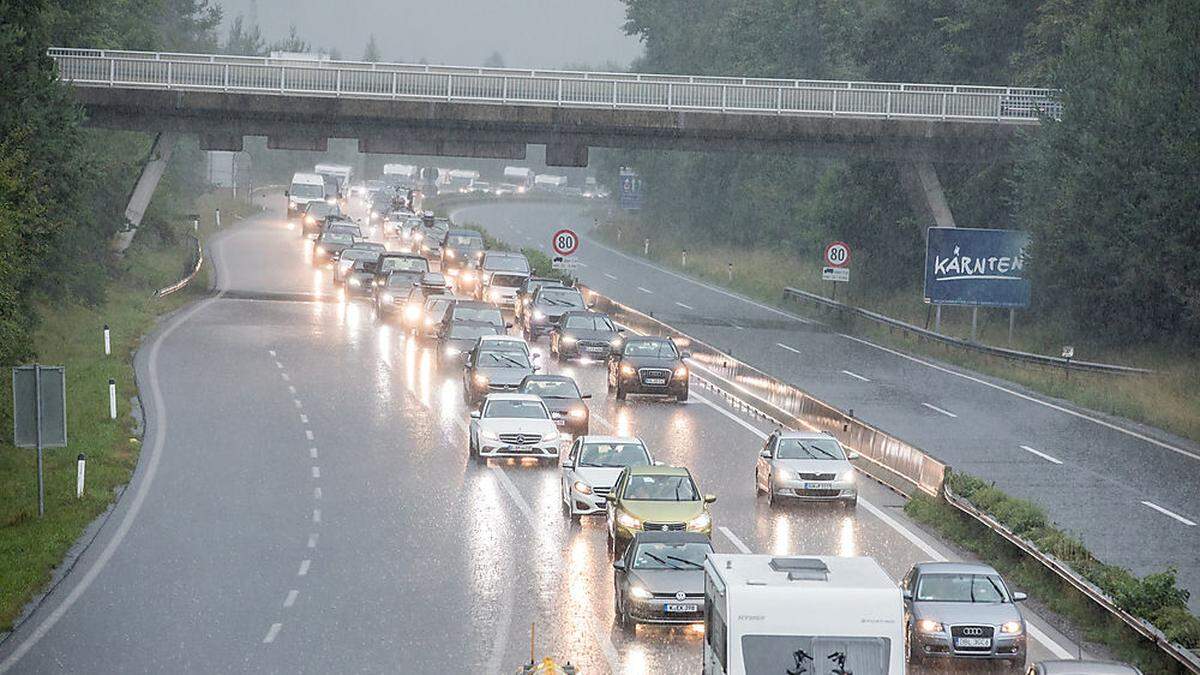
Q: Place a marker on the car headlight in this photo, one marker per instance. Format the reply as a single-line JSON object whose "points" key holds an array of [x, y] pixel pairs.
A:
{"points": [[412, 312], [629, 522], [930, 626], [494, 295], [489, 435], [450, 253], [425, 248], [429, 321], [577, 413], [615, 342], [1011, 628], [551, 437], [331, 201], [321, 249], [700, 522], [468, 277], [640, 593], [539, 315], [310, 220], [481, 379], [681, 372], [627, 370], [478, 255], [387, 297], [847, 476], [569, 339], [453, 351], [583, 488], [783, 474]]}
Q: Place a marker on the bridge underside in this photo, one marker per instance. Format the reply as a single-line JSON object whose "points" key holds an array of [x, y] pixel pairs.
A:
{"points": [[502, 131]]}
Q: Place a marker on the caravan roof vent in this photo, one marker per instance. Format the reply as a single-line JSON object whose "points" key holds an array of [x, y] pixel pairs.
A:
{"points": [[808, 569]]}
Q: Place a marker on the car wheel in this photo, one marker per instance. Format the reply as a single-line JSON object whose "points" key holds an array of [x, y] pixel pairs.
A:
{"points": [[757, 485], [620, 392], [771, 501], [683, 396], [611, 546], [851, 503], [624, 621]]}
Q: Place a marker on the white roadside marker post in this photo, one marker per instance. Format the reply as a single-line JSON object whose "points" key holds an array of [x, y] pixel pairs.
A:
{"points": [[112, 399], [80, 470], [107, 341]]}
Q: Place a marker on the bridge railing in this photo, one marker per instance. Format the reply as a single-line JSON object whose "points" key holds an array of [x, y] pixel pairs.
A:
{"points": [[639, 91]]}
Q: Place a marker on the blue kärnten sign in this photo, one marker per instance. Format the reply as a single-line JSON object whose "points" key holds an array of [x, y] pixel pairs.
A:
{"points": [[976, 267]]}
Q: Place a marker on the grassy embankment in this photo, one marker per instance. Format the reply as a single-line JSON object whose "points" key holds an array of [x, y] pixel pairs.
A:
{"points": [[72, 335], [1168, 400]]}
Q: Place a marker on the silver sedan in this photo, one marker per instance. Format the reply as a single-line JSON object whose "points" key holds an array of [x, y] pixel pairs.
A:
{"points": [[806, 466]]}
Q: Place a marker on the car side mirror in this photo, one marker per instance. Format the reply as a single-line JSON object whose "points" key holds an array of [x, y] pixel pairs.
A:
{"points": [[852, 455], [1018, 596], [475, 414], [709, 499], [358, 220], [620, 331], [591, 304], [685, 355], [536, 368], [466, 358], [619, 565], [907, 595], [765, 454], [508, 325], [586, 396], [568, 464], [287, 194], [536, 356]]}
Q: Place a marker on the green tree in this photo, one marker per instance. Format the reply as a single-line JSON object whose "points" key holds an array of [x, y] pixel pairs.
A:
{"points": [[494, 60], [292, 43], [372, 53], [188, 25], [244, 40]]}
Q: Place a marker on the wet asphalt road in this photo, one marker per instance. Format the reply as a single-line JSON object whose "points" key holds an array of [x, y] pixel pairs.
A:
{"points": [[1131, 493], [304, 503]]}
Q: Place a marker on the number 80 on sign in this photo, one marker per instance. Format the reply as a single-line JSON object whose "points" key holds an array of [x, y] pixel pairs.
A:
{"points": [[565, 242]]}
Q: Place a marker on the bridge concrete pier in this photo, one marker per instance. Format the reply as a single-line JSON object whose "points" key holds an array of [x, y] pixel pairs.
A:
{"points": [[920, 181], [143, 190]]}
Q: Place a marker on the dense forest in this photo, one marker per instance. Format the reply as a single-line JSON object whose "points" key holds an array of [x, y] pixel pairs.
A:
{"points": [[1110, 192]]}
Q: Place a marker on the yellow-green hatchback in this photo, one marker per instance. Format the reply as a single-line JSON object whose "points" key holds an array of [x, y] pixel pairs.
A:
{"points": [[655, 498]]}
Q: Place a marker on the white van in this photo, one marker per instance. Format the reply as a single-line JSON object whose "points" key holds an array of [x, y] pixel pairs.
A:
{"points": [[340, 172], [305, 188], [820, 615]]}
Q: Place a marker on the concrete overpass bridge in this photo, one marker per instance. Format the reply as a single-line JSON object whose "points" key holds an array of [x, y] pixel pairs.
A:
{"points": [[491, 112]]}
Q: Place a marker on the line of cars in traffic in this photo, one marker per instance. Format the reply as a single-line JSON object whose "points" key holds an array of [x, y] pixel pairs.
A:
{"points": [[658, 523]]}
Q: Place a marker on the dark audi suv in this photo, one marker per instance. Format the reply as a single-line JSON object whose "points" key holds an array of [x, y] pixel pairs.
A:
{"points": [[648, 365]]}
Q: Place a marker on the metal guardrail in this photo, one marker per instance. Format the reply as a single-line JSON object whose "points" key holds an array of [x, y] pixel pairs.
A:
{"points": [[798, 295], [895, 462], [559, 88], [179, 285]]}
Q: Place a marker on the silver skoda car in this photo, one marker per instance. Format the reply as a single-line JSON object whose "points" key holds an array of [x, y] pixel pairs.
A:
{"points": [[806, 465]]}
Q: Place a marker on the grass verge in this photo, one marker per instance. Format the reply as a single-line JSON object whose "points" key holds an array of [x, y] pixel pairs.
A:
{"points": [[71, 335], [1168, 400]]}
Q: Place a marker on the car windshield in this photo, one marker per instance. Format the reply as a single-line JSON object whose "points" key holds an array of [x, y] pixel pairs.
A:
{"points": [[435, 308], [464, 240], [337, 238], [433, 279], [561, 297], [399, 281], [359, 254], [351, 230], [656, 348], [654, 488], [404, 264], [307, 191], [506, 263], [533, 410], [374, 247], [467, 332], [502, 359], [590, 323], [508, 346], [961, 588], [487, 314], [613, 454], [809, 448], [661, 555], [322, 210], [551, 388], [507, 280]]}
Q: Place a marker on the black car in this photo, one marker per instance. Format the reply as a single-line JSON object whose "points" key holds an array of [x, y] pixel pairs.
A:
{"points": [[489, 370], [315, 215], [329, 246], [402, 264], [561, 396], [648, 365], [526, 291], [473, 310], [547, 307], [460, 247], [398, 297], [459, 338], [580, 334], [360, 278], [433, 283], [660, 579]]}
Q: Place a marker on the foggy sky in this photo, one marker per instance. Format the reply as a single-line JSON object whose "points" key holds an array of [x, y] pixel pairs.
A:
{"points": [[527, 33]]}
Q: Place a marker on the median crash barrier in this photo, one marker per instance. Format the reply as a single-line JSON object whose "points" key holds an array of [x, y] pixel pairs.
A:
{"points": [[888, 459]]}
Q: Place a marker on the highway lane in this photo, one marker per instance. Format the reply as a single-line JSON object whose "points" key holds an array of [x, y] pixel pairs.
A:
{"points": [[1129, 492], [313, 508]]}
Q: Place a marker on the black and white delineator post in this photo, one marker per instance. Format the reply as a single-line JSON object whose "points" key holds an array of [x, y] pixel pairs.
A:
{"points": [[107, 341], [112, 399], [80, 469]]}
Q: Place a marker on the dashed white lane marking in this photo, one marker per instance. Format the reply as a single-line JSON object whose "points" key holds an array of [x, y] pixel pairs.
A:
{"points": [[285, 377], [610, 276], [645, 290], [737, 326], [292, 389], [1041, 454], [316, 515], [856, 376], [303, 418], [316, 472], [687, 307], [790, 349], [303, 571], [279, 365], [1031, 399], [298, 403], [741, 545], [271, 352], [1170, 514], [312, 452], [934, 408], [317, 493], [271, 633], [291, 598], [308, 434]]}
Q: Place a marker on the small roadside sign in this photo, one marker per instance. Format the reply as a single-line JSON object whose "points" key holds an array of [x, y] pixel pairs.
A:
{"points": [[39, 407], [565, 242], [838, 274], [837, 254], [561, 263], [1068, 352]]}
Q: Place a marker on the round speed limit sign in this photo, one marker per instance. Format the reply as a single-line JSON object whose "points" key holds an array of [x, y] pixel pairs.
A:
{"points": [[837, 254], [565, 242]]}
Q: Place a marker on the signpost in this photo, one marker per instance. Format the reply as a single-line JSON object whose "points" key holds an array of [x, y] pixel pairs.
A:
{"points": [[978, 268], [630, 196], [565, 243], [837, 265], [39, 413]]}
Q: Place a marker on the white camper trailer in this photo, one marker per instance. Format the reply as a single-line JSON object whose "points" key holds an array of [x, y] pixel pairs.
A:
{"points": [[520, 176], [820, 615]]}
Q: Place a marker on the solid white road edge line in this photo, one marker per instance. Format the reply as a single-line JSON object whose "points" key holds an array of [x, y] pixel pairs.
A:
{"points": [[1041, 454], [934, 408], [687, 307], [1031, 399], [856, 376], [645, 290], [790, 349], [1034, 632], [1170, 514]]}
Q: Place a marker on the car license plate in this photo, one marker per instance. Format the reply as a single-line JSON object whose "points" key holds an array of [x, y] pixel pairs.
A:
{"points": [[558, 421], [816, 486], [655, 380], [595, 350], [681, 608], [973, 642]]}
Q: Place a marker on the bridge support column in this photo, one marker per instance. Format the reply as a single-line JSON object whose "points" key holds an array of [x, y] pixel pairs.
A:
{"points": [[222, 142], [566, 154], [920, 181], [143, 190]]}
